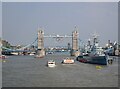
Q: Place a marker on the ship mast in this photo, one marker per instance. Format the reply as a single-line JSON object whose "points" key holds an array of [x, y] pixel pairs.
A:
{"points": [[95, 39]]}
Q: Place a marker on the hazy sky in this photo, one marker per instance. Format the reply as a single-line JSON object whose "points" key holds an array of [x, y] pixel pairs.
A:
{"points": [[20, 21], [0, 19], [60, 0]]}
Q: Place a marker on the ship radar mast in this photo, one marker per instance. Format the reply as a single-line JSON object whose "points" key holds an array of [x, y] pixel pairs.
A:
{"points": [[95, 38]]}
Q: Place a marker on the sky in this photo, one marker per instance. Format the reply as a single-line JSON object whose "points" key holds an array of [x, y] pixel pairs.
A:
{"points": [[0, 19], [21, 20], [60, 0]]}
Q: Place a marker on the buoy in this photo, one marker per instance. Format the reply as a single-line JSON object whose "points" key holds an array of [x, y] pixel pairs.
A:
{"points": [[98, 67]]}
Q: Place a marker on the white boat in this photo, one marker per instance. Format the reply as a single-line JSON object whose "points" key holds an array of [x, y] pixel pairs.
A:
{"points": [[51, 63], [68, 61], [31, 54]]}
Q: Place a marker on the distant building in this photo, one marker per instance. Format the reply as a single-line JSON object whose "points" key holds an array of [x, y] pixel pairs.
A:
{"points": [[6, 44]]}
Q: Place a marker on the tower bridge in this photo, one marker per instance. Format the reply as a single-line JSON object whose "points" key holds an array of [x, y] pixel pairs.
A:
{"points": [[75, 48], [40, 43]]}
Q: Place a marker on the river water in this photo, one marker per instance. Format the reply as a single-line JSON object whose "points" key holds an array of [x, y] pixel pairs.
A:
{"points": [[27, 71]]}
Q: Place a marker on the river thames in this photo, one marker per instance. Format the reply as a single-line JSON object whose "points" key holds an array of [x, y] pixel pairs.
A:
{"points": [[27, 71]]}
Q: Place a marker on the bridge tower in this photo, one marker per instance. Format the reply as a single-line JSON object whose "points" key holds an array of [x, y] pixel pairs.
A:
{"points": [[75, 48], [40, 51]]}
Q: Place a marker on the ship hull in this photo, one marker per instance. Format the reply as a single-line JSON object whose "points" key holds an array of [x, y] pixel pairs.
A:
{"points": [[101, 60]]}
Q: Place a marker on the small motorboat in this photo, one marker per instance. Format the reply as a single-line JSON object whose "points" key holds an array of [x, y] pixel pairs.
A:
{"points": [[51, 63], [68, 61], [50, 52], [31, 54]]}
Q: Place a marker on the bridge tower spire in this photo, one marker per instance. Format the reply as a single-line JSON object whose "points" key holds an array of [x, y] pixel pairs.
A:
{"points": [[75, 48], [40, 50], [40, 39]]}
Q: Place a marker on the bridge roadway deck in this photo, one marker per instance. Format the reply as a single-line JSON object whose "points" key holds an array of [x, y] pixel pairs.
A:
{"points": [[27, 71]]}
